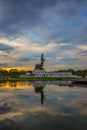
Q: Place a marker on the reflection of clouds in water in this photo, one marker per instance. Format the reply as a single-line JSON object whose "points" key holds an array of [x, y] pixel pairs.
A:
{"points": [[20, 114], [24, 96], [58, 106], [37, 117], [5, 95], [83, 111], [42, 118], [63, 108], [43, 109], [7, 105], [78, 103], [8, 97], [11, 115], [4, 107]]}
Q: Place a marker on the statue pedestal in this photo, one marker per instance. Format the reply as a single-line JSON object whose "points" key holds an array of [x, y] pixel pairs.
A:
{"points": [[39, 73]]}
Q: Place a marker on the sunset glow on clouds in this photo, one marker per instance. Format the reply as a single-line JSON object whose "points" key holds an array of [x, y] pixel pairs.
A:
{"points": [[57, 28]]}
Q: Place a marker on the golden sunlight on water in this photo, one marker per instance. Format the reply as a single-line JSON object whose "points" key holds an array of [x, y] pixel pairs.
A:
{"points": [[16, 85]]}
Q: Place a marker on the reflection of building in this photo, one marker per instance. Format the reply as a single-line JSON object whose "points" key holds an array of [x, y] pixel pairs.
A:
{"points": [[40, 72], [42, 84], [39, 86], [59, 82]]}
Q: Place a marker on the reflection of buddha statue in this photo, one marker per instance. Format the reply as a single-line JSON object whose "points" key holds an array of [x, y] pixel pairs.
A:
{"points": [[40, 90], [39, 86]]}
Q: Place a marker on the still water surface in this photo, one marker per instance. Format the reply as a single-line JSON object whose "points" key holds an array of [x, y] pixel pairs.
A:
{"points": [[39, 105]]}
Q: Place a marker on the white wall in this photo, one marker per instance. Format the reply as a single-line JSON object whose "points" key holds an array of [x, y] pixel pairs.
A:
{"points": [[42, 73]]}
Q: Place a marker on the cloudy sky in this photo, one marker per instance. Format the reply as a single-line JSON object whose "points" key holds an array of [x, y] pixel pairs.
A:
{"points": [[58, 28]]}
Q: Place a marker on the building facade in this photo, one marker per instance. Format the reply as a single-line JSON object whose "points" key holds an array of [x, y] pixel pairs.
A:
{"points": [[43, 73]]}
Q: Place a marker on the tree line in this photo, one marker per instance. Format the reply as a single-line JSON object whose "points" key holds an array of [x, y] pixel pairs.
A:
{"points": [[16, 73], [13, 73], [82, 73]]}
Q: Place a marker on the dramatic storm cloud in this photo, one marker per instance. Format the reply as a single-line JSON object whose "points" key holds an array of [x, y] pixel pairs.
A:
{"points": [[4, 47], [57, 28]]}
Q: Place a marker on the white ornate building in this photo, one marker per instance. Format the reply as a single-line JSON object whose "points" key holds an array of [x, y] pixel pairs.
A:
{"points": [[43, 73]]}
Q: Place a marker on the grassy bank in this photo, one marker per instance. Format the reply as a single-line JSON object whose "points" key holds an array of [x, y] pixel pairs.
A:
{"points": [[37, 78]]}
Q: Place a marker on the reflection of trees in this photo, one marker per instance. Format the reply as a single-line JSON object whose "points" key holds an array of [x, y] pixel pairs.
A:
{"points": [[13, 84], [71, 85], [80, 85], [39, 86]]}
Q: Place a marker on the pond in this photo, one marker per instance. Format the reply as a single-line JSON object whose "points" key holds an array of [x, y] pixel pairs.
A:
{"points": [[43, 105]]}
